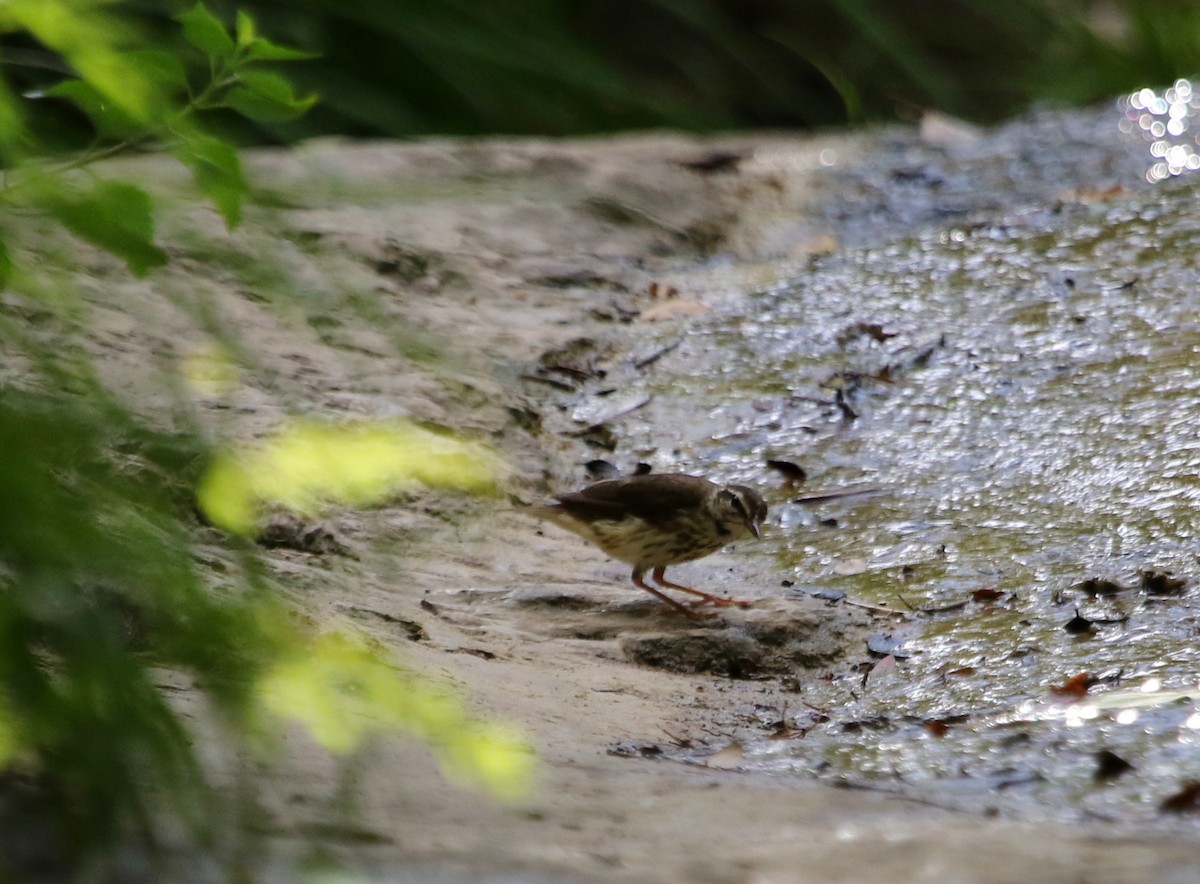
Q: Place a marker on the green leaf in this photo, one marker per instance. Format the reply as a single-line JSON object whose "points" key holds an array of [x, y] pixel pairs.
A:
{"points": [[206, 32], [160, 67], [262, 49], [117, 217], [217, 172], [13, 132], [256, 48], [6, 266], [245, 28], [110, 120], [267, 96]]}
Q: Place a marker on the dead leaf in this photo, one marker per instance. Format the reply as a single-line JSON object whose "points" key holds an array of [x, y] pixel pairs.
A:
{"points": [[674, 309], [1075, 686], [877, 331], [819, 245], [1091, 194], [730, 758], [886, 666], [936, 728], [885, 644], [850, 567], [942, 130]]}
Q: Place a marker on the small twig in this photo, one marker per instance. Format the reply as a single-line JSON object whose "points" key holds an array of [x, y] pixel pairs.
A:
{"points": [[553, 382], [681, 742], [818, 496], [892, 612], [657, 354]]}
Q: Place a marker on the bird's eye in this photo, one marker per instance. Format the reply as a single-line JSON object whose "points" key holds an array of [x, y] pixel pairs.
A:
{"points": [[738, 506]]}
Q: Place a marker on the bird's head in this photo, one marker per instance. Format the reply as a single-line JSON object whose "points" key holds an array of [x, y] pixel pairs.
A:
{"points": [[739, 509]]}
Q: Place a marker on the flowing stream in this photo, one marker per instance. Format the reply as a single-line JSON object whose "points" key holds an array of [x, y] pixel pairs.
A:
{"points": [[1007, 346]]}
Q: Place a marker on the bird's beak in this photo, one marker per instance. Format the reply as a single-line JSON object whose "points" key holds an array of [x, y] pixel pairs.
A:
{"points": [[754, 527]]}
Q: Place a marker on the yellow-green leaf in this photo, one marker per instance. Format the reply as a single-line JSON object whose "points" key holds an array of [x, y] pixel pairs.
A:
{"points": [[206, 32], [309, 465]]}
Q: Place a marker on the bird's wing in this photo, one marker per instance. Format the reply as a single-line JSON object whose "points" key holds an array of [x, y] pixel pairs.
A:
{"points": [[649, 497]]}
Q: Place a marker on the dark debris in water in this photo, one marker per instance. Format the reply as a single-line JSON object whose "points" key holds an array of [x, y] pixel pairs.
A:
{"points": [[1186, 800], [988, 594], [1079, 625], [792, 472], [598, 470], [1110, 765], [1098, 586], [1156, 582]]}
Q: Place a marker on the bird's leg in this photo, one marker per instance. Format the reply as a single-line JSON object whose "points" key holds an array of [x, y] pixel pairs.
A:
{"points": [[676, 607], [660, 578]]}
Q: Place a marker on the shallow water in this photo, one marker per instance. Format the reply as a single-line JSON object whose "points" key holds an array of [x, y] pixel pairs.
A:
{"points": [[1019, 376]]}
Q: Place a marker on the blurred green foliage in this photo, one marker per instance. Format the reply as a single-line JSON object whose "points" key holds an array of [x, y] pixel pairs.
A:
{"points": [[97, 586], [105, 520], [99, 64]]}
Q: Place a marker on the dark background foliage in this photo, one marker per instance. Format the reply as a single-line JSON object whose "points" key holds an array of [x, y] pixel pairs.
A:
{"points": [[413, 67]]}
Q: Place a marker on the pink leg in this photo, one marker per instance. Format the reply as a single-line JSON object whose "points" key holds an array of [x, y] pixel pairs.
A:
{"points": [[661, 580], [676, 607]]}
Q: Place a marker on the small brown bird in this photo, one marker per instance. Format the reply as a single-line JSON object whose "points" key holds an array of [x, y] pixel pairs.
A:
{"points": [[659, 520]]}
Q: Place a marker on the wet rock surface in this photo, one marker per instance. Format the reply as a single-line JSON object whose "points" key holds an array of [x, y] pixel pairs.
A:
{"points": [[603, 300], [743, 645]]}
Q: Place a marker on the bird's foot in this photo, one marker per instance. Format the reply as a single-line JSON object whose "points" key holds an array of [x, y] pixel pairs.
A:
{"points": [[719, 602]]}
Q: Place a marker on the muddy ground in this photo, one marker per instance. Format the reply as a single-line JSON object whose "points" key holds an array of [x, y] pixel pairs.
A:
{"points": [[451, 282]]}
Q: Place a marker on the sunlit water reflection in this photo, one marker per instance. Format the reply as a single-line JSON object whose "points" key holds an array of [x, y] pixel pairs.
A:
{"points": [[1027, 393]]}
